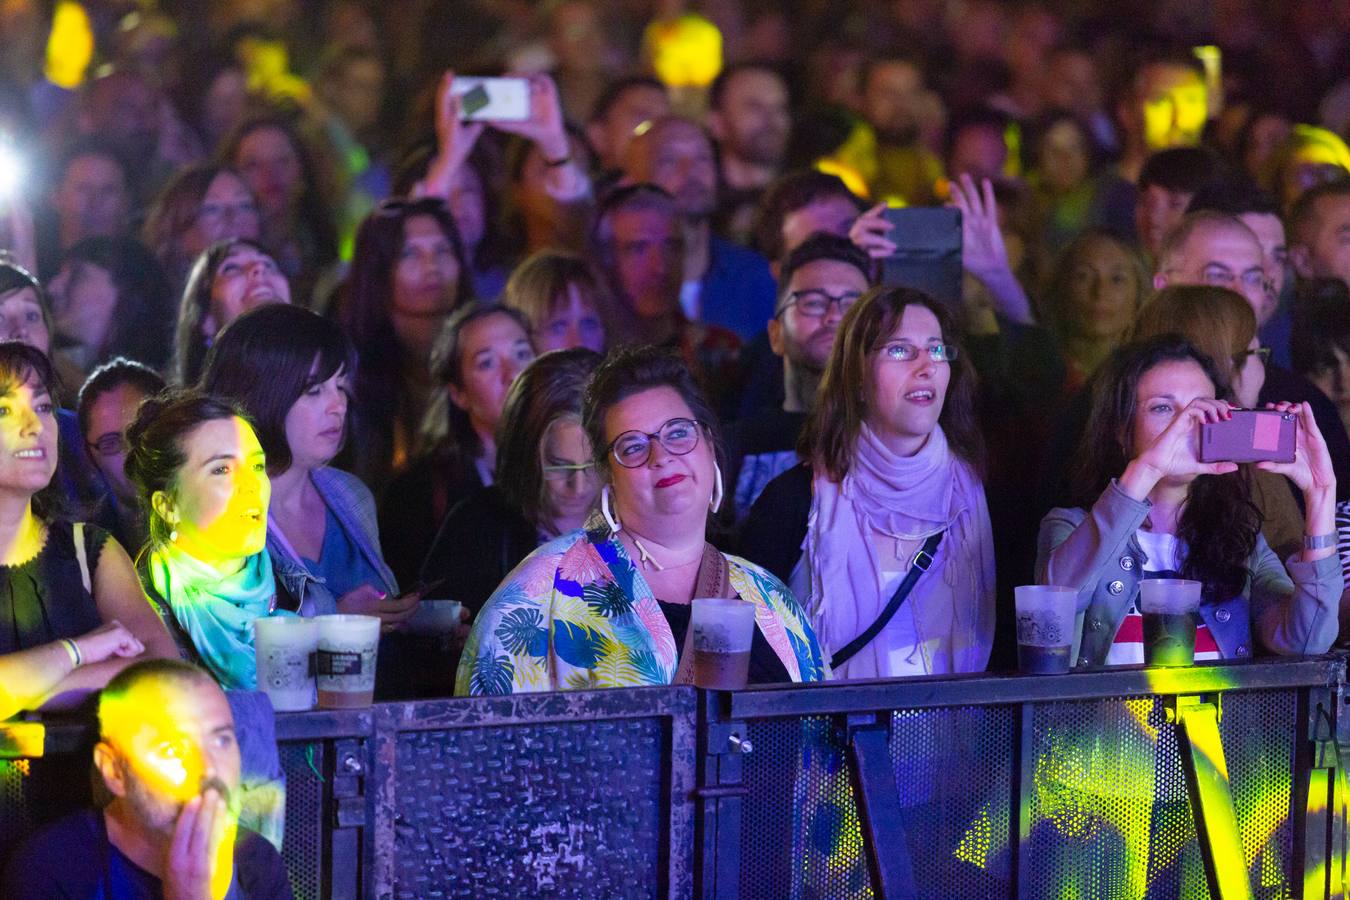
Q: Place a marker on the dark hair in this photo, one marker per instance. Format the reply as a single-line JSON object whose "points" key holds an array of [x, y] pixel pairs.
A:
{"points": [[718, 90], [189, 344], [155, 442], [549, 389], [978, 117], [1219, 523], [176, 209], [1034, 137], [1236, 195], [616, 89], [312, 210], [14, 277], [110, 376], [1321, 326], [1182, 169], [823, 246], [785, 196], [140, 327], [538, 286], [1304, 209], [450, 432], [832, 429], [266, 359], [92, 146], [634, 370], [20, 364]]}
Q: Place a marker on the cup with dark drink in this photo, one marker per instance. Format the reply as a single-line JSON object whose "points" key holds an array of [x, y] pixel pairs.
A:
{"points": [[1169, 608], [1045, 628], [346, 660], [723, 632]]}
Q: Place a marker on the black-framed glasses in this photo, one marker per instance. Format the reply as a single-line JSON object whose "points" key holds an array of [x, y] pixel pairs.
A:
{"points": [[816, 303], [1262, 353], [903, 351], [109, 444], [633, 449]]}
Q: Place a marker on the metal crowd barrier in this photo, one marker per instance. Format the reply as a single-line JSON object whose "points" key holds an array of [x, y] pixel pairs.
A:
{"points": [[1219, 780]]}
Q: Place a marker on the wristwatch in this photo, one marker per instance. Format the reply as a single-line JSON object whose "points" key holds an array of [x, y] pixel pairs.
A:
{"points": [[1319, 542]]}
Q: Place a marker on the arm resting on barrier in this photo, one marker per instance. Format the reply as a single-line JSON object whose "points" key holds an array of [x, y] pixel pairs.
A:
{"points": [[1295, 603]]}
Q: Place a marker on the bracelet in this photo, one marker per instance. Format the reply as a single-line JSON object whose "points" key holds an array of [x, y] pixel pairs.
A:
{"points": [[1319, 542], [74, 650], [555, 163]]}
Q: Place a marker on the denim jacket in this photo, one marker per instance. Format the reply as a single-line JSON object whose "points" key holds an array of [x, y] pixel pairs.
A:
{"points": [[351, 503], [1095, 551]]}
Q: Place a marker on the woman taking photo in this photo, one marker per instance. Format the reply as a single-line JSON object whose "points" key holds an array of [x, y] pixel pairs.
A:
{"points": [[229, 278], [289, 370], [892, 479], [609, 606], [544, 484], [407, 277], [202, 479], [481, 350], [71, 607], [1150, 508]]}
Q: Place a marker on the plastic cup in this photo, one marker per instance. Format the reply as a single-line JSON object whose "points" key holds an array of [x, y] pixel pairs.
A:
{"points": [[1045, 628], [1169, 608], [284, 648], [723, 633], [346, 660], [434, 617]]}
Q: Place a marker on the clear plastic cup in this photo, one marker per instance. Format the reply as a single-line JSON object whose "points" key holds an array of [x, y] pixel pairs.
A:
{"points": [[284, 648], [1046, 617], [346, 660], [723, 633], [1169, 608]]}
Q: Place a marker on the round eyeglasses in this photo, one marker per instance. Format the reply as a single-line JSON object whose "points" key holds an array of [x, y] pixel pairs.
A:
{"points": [[633, 448]]}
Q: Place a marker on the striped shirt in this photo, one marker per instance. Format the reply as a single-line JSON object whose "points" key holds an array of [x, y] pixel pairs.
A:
{"points": [[1164, 553]]}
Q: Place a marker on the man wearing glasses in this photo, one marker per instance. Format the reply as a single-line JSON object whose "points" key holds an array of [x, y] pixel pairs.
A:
{"points": [[1220, 250], [819, 281]]}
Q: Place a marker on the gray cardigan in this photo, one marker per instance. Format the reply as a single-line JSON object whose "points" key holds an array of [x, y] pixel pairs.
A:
{"points": [[1096, 552]]}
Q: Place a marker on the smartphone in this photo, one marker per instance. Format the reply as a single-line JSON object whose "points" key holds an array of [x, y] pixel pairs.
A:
{"points": [[928, 252], [1251, 435], [496, 99]]}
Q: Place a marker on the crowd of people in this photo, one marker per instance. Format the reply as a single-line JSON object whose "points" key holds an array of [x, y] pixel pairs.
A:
{"points": [[289, 329]]}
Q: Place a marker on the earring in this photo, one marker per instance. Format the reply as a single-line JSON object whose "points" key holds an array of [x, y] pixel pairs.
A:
{"points": [[173, 536], [716, 500], [610, 519]]}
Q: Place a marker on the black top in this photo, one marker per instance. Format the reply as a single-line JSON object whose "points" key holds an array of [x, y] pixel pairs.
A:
{"points": [[74, 858], [44, 599], [765, 666], [482, 539], [759, 448], [413, 507], [773, 532]]}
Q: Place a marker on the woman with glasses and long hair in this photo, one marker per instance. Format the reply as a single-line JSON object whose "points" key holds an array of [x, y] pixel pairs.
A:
{"points": [[544, 484], [1148, 507], [609, 605], [889, 503]]}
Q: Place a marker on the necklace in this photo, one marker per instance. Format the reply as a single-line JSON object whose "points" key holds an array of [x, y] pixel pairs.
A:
{"points": [[650, 562]]}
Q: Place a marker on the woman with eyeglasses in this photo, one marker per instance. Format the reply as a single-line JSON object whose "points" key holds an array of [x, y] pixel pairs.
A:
{"points": [[544, 484], [884, 531], [609, 605], [1147, 507], [200, 205]]}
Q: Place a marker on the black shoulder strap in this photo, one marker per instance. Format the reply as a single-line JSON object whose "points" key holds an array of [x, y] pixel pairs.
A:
{"points": [[922, 560]]}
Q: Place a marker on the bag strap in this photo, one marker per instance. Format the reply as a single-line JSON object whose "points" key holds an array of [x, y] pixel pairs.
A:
{"points": [[921, 562], [82, 555]]}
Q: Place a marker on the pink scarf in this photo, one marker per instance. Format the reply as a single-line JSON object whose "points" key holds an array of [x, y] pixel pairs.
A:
{"points": [[951, 608]]}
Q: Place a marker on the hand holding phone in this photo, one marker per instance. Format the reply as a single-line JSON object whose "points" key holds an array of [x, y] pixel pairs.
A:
{"points": [[492, 99], [1250, 435]]}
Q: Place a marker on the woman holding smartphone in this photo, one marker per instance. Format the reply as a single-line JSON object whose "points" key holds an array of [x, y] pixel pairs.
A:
{"points": [[1150, 508]]}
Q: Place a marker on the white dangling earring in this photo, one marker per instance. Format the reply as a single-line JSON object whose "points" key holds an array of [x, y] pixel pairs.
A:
{"points": [[610, 519], [716, 500], [173, 536]]}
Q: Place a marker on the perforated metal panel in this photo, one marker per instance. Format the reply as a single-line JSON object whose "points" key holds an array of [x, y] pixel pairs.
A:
{"points": [[567, 809], [14, 817], [302, 847]]}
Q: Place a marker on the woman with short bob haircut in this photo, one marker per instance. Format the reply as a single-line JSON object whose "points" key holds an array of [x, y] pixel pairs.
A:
{"points": [[609, 605], [290, 370], [561, 295], [892, 476], [544, 484], [1147, 508]]}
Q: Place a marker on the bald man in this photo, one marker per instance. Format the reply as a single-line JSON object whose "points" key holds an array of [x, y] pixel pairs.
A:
{"points": [[1218, 249], [724, 284]]}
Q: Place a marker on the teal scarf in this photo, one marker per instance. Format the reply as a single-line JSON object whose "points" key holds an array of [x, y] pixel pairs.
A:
{"points": [[218, 613]]}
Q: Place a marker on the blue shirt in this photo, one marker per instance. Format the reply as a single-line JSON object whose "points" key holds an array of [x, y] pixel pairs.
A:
{"points": [[738, 290], [341, 563]]}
